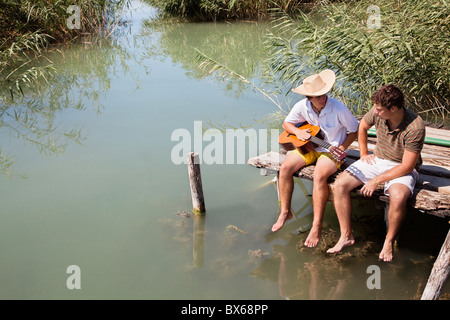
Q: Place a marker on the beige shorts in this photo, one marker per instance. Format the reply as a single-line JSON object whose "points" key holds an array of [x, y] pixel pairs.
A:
{"points": [[365, 172]]}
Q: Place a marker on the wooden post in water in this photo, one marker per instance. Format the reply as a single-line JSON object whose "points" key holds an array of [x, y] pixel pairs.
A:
{"points": [[439, 273], [195, 181]]}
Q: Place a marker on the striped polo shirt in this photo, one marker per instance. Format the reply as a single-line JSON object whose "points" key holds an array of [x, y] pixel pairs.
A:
{"points": [[391, 144]]}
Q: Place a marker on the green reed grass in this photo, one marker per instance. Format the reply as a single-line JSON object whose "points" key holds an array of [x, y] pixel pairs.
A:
{"points": [[410, 49], [27, 27], [213, 10]]}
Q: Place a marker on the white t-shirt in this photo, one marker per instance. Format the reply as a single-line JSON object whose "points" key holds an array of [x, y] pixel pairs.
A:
{"points": [[334, 120]]}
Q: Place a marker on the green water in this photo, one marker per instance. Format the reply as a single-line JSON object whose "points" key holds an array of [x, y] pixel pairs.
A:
{"points": [[93, 184]]}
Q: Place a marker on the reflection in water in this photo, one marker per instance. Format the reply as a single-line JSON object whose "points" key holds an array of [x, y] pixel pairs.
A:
{"points": [[199, 240], [233, 55], [82, 77], [239, 45], [310, 279], [310, 273]]}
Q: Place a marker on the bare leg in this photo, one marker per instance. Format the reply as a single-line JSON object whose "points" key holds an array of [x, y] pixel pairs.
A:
{"points": [[290, 165], [343, 186], [398, 195], [323, 170]]}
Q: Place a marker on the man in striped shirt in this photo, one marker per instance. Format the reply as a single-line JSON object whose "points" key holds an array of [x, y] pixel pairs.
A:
{"points": [[395, 163]]}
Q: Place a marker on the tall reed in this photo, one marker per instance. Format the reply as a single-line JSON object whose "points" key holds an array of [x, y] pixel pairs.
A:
{"points": [[26, 27], [212, 10], [408, 45]]}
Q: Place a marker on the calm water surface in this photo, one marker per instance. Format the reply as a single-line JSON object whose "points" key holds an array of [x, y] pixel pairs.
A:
{"points": [[93, 184]]}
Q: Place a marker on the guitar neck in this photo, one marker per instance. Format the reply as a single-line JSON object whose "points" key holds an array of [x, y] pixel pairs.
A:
{"points": [[320, 142]]}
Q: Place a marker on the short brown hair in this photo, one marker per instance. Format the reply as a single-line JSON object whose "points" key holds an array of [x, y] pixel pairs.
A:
{"points": [[388, 96]]}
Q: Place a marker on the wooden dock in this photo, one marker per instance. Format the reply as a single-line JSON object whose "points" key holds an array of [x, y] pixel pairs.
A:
{"points": [[431, 194]]}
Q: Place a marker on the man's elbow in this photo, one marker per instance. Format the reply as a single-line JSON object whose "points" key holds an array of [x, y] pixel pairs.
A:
{"points": [[407, 168]]}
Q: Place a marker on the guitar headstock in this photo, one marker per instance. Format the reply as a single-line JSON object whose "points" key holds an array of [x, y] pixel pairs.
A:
{"points": [[338, 154]]}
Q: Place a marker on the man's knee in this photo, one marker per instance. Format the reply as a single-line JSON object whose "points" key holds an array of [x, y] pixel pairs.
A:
{"points": [[399, 197], [324, 169], [343, 185], [288, 168], [339, 186]]}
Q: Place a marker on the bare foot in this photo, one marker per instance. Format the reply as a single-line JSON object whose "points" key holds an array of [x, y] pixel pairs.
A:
{"points": [[314, 236], [341, 244], [281, 220], [387, 253]]}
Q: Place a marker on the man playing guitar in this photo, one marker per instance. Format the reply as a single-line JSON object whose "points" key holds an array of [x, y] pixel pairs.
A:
{"points": [[339, 128]]}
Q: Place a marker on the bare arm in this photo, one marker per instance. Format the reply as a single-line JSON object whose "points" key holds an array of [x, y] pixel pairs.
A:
{"points": [[362, 139], [348, 140]]}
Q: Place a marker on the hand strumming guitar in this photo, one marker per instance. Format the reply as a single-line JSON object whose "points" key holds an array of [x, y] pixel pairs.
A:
{"points": [[304, 137], [303, 134]]}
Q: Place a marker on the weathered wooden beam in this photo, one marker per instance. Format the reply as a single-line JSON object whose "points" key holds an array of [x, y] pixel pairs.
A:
{"points": [[429, 201], [439, 184], [439, 273]]}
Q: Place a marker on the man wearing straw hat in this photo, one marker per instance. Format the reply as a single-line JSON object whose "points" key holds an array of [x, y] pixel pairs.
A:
{"points": [[339, 128]]}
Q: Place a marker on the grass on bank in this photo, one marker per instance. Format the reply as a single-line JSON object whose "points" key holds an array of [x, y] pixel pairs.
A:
{"points": [[402, 42], [408, 46], [27, 27], [217, 10]]}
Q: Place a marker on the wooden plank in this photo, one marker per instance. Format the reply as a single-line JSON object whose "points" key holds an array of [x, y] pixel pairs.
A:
{"points": [[434, 183], [271, 160], [429, 201], [438, 133], [439, 273]]}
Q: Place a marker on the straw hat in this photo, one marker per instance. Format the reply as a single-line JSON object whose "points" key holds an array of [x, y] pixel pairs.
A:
{"points": [[317, 84]]}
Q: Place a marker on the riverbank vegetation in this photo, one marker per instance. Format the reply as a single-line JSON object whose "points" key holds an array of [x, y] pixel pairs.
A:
{"points": [[27, 27], [27, 70], [217, 10], [401, 42]]}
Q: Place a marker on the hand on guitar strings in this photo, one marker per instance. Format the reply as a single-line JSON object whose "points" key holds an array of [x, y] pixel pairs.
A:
{"points": [[338, 154]]}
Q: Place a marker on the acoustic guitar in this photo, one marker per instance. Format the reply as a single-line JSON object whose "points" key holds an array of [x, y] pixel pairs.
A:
{"points": [[290, 141]]}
